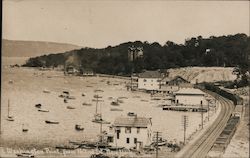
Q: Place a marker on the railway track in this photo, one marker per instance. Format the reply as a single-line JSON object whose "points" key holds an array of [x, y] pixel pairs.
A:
{"points": [[201, 147]]}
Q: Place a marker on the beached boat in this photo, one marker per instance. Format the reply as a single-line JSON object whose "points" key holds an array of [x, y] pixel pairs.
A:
{"points": [[43, 110], [161, 142], [51, 122], [70, 107], [38, 105], [78, 127], [25, 155], [9, 118]]}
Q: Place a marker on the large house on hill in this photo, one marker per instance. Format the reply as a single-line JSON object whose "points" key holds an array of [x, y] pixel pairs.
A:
{"points": [[131, 132], [150, 80]]}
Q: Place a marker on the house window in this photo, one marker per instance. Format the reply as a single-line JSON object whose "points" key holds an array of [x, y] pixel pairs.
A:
{"points": [[144, 80], [127, 140], [128, 130], [135, 140], [110, 139], [138, 129], [118, 135], [201, 102], [177, 101]]}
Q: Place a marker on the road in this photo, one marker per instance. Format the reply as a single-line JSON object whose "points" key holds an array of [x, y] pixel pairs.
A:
{"points": [[201, 146]]}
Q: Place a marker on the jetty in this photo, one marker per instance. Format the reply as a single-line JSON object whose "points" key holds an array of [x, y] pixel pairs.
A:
{"points": [[184, 108]]}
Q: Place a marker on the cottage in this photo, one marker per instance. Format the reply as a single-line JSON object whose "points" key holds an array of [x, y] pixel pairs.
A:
{"points": [[131, 132], [150, 80], [170, 85], [190, 96]]}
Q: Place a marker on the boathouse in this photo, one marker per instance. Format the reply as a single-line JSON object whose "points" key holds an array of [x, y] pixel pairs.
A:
{"points": [[131, 132], [190, 96]]}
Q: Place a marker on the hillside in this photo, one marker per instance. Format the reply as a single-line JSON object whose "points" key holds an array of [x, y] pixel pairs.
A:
{"points": [[222, 51], [13, 48], [204, 74]]}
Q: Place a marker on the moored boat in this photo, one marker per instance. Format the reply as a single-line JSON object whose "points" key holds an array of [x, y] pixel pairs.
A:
{"points": [[70, 107], [43, 110], [51, 122], [78, 127]]}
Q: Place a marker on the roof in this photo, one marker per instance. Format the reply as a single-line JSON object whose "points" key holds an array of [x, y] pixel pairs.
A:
{"points": [[150, 74], [131, 121], [187, 91]]}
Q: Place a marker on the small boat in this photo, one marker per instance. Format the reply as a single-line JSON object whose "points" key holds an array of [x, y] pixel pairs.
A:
{"points": [[131, 114], [9, 118], [43, 110], [46, 91], [79, 128], [161, 142], [70, 97], [83, 94], [114, 103], [116, 109], [24, 129], [70, 107], [66, 92], [51, 122], [38, 105], [98, 90], [65, 100], [25, 155], [97, 96], [86, 104], [98, 119]]}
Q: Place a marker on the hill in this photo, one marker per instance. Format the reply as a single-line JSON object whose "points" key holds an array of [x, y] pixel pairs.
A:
{"points": [[204, 74], [14, 48], [222, 51]]}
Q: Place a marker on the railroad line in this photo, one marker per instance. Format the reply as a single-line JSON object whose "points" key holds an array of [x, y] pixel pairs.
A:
{"points": [[201, 147]]}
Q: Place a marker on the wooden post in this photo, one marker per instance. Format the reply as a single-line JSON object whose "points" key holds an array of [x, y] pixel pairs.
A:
{"points": [[157, 135], [201, 115]]}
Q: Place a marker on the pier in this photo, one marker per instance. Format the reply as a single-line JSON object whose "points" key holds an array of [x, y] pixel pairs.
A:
{"points": [[184, 108]]}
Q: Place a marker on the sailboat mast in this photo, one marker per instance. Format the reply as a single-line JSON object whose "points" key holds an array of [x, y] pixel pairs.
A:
{"points": [[8, 107]]}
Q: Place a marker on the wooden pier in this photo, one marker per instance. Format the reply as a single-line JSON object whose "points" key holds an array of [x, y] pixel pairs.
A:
{"points": [[184, 108]]}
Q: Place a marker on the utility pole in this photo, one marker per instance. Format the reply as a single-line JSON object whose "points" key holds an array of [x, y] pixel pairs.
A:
{"points": [[185, 125], [201, 115], [157, 136], [208, 109]]}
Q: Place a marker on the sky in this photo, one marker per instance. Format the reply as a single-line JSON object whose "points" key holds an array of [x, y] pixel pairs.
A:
{"points": [[99, 24]]}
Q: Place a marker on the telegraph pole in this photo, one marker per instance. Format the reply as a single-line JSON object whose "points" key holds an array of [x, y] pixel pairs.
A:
{"points": [[201, 115], [157, 136], [185, 125]]}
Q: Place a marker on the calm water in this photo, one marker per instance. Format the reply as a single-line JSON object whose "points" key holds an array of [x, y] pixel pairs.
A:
{"points": [[27, 90]]}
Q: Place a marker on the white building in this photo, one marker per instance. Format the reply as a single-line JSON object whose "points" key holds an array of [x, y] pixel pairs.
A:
{"points": [[150, 80], [131, 132], [190, 96]]}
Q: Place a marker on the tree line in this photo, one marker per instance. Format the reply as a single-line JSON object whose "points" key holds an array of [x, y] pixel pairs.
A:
{"points": [[228, 51]]}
